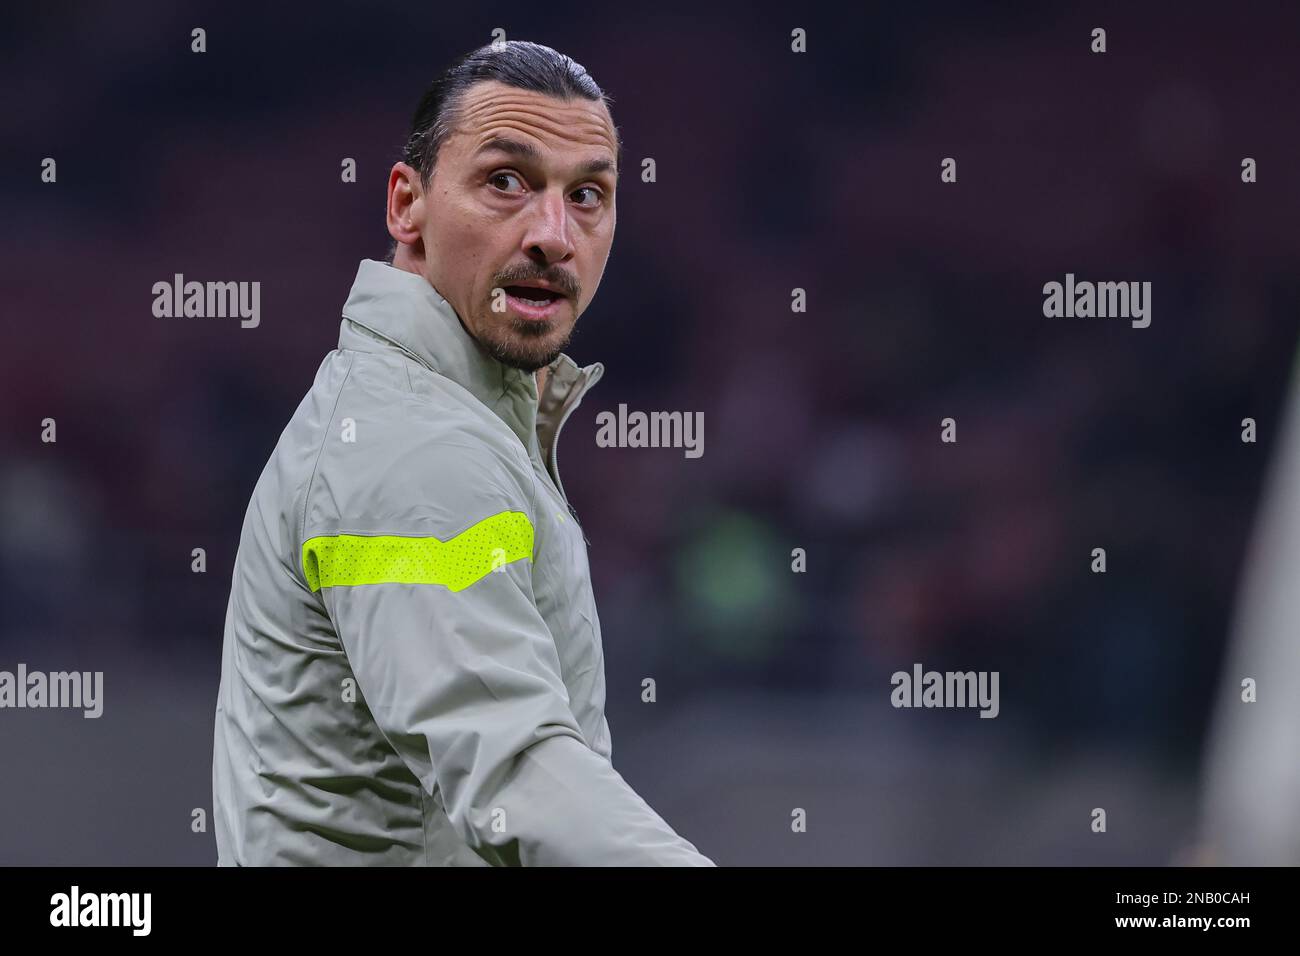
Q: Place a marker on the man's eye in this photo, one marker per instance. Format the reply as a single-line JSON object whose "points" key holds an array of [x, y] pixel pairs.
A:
{"points": [[594, 196], [499, 178]]}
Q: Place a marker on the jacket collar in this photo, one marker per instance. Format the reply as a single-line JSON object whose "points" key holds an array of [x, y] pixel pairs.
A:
{"points": [[404, 310]]}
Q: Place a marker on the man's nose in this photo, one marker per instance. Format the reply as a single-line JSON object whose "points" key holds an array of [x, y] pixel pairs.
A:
{"points": [[548, 237]]}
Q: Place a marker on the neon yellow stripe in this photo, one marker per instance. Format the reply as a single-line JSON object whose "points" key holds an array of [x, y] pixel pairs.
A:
{"points": [[346, 560]]}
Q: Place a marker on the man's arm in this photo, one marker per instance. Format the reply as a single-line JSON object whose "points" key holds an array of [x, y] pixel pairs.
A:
{"points": [[463, 678]]}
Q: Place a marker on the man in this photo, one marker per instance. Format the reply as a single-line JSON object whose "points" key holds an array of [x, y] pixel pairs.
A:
{"points": [[412, 670]]}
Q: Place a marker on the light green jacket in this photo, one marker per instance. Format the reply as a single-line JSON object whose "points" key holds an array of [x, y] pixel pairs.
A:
{"points": [[412, 671]]}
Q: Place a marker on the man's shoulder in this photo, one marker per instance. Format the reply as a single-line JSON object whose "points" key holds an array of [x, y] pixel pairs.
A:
{"points": [[398, 411], [405, 448]]}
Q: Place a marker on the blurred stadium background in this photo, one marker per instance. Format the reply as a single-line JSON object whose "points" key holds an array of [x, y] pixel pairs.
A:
{"points": [[775, 170]]}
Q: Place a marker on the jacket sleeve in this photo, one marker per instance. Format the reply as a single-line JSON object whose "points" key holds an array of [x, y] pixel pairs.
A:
{"points": [[434, 606]]}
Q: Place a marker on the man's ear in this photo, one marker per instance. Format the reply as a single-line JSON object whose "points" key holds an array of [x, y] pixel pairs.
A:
{"points": [[404, 190]]}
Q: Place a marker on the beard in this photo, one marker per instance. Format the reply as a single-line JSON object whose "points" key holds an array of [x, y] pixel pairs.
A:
{"points": [[530, 344], [524, 344]]}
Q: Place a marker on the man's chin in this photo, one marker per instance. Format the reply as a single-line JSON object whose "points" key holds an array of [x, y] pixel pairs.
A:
{"points": [[528, 351]]}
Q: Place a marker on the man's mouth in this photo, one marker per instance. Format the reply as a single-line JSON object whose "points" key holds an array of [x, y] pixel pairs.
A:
{"points": [[533, 303]]}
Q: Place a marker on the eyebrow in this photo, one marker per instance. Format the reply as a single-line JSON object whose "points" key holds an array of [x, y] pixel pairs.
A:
{"points": [[513, 147]]}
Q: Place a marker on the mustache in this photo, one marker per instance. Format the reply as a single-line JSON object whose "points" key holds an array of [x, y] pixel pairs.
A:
{"points": [[559, 279]]}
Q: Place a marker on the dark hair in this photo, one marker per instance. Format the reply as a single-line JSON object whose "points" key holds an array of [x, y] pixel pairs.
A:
{"points": [[518, 63]]}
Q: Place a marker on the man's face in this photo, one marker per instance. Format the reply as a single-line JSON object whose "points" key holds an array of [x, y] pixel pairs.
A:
{"points": [[518, 218]]}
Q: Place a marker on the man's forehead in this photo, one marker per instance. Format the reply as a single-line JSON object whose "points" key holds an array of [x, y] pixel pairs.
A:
{"points": [[491, 110]]}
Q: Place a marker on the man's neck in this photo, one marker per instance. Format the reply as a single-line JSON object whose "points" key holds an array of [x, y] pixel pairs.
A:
{"points": [[541, 380]]}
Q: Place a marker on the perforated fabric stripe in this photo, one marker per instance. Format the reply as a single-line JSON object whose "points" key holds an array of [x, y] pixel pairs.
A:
{"points": [[348, 560]]}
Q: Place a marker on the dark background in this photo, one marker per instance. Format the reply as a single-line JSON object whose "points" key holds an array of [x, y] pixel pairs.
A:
{"points": [[775, 170]]}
